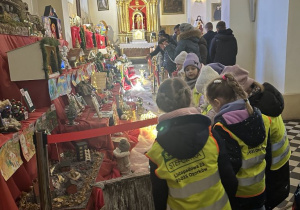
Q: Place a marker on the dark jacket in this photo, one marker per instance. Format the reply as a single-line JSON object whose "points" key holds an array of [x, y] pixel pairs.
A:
{"points": [[174, 37], [158, 49], [208, 37], [189, 41], [184, 137], [252, 132], [169, 56], [271, 103], [203, 50], [223, 48]]}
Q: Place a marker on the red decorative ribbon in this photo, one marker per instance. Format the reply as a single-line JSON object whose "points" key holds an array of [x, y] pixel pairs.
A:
{"points": [[75, 136]]}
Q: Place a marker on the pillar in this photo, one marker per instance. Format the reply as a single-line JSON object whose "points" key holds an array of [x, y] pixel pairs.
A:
{"points": [[236, 14]]}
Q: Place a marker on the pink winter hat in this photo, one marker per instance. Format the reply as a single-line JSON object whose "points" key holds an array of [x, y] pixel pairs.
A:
{"points": [[192, 60], [241, 75]]}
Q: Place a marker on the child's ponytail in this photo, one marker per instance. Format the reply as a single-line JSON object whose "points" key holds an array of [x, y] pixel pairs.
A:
{"points": [[232, 82]]}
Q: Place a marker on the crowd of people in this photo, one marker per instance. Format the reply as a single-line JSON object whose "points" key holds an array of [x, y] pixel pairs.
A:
{"points": [[221, 142]]}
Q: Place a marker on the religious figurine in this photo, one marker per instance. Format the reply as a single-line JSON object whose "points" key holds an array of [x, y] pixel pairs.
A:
{"points": [[199, 23], [122, 154], [139, 22], [64, 53], [53, 31]]}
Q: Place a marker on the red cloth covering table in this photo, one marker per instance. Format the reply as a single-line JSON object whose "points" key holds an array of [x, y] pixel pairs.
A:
{"points": [[21, 180], [85, 122]]}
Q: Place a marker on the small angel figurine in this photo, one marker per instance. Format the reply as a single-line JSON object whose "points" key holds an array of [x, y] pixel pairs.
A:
{"points": [[122, 154]]}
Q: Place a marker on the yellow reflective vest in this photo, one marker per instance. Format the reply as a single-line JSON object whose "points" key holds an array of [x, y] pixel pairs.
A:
{"points": [[251, 176], [193, 183], [196, 97], [281, 151], [206, 110]]}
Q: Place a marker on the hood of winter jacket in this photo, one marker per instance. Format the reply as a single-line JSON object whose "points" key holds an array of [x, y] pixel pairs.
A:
{"points": [[269, 101], [183, 137], [203, 41], [192, 34], [250, 130], [224, 34]]}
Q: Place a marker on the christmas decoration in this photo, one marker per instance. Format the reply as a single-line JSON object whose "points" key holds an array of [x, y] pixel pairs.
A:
{"points": [[55, 43]]}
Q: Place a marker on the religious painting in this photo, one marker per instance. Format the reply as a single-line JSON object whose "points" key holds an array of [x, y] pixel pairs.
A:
{"points": [[170, 7], [216, 11], [102, 5]]}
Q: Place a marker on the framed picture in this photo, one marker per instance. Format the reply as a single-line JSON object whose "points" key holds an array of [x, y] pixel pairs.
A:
{"points": [[102, 5], [27, 99], [171, 7], [215, 11]]}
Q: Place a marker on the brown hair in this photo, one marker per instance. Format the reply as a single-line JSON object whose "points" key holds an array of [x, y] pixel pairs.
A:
{"points": [[173, 94], [209, 26], [221, 25], [227, 88]]}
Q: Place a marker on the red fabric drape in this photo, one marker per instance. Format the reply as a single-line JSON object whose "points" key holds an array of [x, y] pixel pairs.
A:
{"points": [[38, 89], [9, 89]]}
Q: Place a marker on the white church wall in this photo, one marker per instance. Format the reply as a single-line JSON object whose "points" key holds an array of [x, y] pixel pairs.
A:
{"points": [[271, 42], [109, 16]]}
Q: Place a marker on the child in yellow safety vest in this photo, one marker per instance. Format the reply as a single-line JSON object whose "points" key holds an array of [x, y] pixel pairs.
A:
{"points": [[270, 102], [245, 132], [189, 166]]}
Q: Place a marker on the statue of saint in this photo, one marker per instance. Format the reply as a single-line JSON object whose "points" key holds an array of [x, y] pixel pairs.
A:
{"points": [[139, 22]]}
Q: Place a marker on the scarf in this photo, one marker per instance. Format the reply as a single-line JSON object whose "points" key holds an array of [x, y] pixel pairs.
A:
{"points": [[191, 83]]}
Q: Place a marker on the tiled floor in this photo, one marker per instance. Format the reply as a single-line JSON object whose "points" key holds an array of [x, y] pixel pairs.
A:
{"points": [[293, 131]]}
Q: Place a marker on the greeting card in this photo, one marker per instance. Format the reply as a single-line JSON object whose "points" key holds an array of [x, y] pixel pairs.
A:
{"points": [[10, 158]]}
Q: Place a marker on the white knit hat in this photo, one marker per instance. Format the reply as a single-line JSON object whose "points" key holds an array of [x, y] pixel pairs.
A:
{"points": [[207, 74], [181, 57]]}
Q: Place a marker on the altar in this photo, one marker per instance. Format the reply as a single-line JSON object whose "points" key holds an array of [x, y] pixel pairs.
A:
{"points": [[137, 49], [137, 20]]}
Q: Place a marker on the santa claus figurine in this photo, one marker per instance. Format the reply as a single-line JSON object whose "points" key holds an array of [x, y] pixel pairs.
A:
{"points": [[122, 154]]}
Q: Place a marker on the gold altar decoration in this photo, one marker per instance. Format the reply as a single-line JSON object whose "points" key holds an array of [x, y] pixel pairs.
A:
{"points": [[129, 9]]}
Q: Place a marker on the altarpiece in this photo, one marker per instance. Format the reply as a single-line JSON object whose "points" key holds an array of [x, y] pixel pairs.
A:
{"points": [[137, 19]]}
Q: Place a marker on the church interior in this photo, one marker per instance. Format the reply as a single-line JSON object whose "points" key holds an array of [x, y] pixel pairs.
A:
{"points": [[79, 81]]}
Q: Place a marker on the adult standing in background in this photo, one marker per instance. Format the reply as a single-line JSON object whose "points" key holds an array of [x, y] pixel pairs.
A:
{"points": [[188, 40], [210, 34], [161, 34], [168, 56], [176, 32], [223, 48]]}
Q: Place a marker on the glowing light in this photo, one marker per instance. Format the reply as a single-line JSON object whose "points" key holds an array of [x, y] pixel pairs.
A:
{"points": [[138, 87]]}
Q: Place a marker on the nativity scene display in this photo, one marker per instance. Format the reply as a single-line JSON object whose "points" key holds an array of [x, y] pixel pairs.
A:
{"points": [[15, 19]]}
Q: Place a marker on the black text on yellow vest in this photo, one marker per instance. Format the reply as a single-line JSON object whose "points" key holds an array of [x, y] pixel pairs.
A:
{"points": [[193, 183]]}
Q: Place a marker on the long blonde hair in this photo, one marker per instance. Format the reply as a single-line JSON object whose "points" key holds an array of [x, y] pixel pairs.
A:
{"points": [[227, 88], [173, 94]]}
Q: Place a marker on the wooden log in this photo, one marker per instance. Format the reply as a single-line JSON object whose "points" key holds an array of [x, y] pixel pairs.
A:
{"points": [[132, 192]]}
